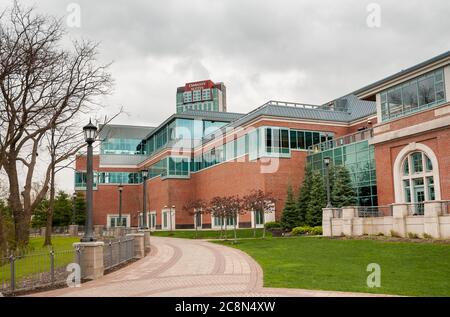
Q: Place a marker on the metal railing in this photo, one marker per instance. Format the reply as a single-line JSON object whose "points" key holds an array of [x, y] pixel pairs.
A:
{"points": [[116, 252], [445, 208], [373, 211], [344, 140], [416, 209], [30, 271]]}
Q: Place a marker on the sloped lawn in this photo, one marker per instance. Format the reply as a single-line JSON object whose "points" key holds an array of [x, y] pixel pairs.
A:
{"points": [[416, 269]]}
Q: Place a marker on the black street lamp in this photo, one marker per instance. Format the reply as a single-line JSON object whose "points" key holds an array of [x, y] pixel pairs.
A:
{"points": [[74, 209], [326, 161], [144, 207], [90, 132], [120, 187]]}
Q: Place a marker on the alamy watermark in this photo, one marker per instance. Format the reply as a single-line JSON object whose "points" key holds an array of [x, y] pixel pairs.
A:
{"points": [[373, 20], [374, 278]]}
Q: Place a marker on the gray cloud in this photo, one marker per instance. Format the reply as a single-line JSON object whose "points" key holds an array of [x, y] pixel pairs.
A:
{"points": [[305, 51]]}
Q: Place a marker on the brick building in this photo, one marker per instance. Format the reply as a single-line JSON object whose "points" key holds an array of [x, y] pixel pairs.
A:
{"points": [[392, 135]]}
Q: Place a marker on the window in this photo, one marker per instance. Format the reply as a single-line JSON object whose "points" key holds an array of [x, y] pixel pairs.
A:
{"points": [[417, 178], [114, 221], [415, 94], [276, 140], [259, 218]]}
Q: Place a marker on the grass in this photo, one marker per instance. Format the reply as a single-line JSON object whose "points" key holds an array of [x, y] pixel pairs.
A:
{"points": [[412, 269], [37, 258], [210, 234]]}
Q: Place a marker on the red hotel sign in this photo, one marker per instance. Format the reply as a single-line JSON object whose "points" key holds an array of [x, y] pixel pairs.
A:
{"points": [[199, 85]]}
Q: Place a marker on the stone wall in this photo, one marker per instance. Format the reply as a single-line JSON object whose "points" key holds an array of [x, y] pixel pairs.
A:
{"points": [[434, 222]]}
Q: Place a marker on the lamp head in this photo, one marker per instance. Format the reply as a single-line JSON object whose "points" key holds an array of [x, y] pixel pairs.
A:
{"points": [[90, 132]]}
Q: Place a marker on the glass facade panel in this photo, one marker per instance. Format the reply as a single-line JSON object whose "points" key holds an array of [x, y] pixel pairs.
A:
{"points": [[415, 94], [357, 158]]}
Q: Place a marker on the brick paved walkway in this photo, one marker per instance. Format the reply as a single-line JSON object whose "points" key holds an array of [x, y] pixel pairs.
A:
{"points": [[181, 268]]}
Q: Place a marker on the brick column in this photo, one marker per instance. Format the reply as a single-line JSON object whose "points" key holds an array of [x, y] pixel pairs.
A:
{"points": [[431, 223], [327, 217], [91, 259], [348, 213], [399, 213], [146, 233], [139, 244]]}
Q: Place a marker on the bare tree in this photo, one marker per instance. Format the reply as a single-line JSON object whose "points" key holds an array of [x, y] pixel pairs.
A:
{"points": [[195, 207], [42, 87], [259, 202], [217, 208]]}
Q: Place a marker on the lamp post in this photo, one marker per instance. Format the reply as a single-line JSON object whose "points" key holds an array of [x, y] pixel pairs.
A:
{"points": [[120, 187], [74, 209], [326, 161], [90, 131], [144, 207]]}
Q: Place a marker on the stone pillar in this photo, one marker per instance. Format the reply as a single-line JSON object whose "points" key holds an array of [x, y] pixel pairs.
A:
{"points": [[43, 230], [98, 230], [119, 231], [91, 259], [327, 226], [348, 213], [431, 223], [399, 213], [73, 230], [146, 233], [139, 246]]}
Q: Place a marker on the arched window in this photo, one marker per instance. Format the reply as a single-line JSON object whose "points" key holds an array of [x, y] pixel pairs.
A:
{"points": [[418, 178]]}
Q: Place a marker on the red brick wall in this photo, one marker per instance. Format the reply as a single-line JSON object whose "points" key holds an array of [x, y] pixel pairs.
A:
{"points": [[386, 153]]}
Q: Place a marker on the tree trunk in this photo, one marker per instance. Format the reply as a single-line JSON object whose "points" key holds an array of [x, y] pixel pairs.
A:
{"points": [[2, 235], [264, 225], [235, 221], [254, 224], [21, 221]]}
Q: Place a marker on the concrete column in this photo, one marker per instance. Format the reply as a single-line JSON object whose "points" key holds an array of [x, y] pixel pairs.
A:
{"points": [[146, 233], [119, 232], [399, 213], [91, 259], [98, 230], [431, 223], [73, 230], [348, 213], [327, 227], [139, 244], [133, 229]]}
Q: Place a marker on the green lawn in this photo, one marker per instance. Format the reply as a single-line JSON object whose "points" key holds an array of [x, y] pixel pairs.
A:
{"points": [[209, 234], [38, 258], [416, 269]]}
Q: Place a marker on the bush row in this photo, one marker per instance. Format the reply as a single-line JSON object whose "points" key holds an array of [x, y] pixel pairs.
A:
{"points": [[317, 230]]}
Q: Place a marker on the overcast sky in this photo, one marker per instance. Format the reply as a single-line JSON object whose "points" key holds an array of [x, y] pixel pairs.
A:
{"points": [[303, 51]]}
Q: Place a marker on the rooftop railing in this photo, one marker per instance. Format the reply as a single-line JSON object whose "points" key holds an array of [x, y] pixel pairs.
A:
{"points": [[344, 140]]}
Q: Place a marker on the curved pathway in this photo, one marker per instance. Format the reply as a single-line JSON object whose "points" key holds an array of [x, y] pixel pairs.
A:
{"points": [[182, 268]]}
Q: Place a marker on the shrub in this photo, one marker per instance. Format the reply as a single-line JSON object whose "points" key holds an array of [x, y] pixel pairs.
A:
{"points": [[412, 235], [272, 225], [395, 234], [316, 231], [380, 234], [427, 236], [301, 230]]}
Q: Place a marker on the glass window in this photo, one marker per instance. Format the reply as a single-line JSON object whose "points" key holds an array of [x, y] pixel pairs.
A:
{"points": [[416, 162], [426, 91], [415, 94], [293, 139], [308, 139]]}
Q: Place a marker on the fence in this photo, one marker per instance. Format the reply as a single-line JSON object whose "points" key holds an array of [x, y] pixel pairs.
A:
{"points": [[373, 211], [116, 252], [30, 271], [416, 209]]}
